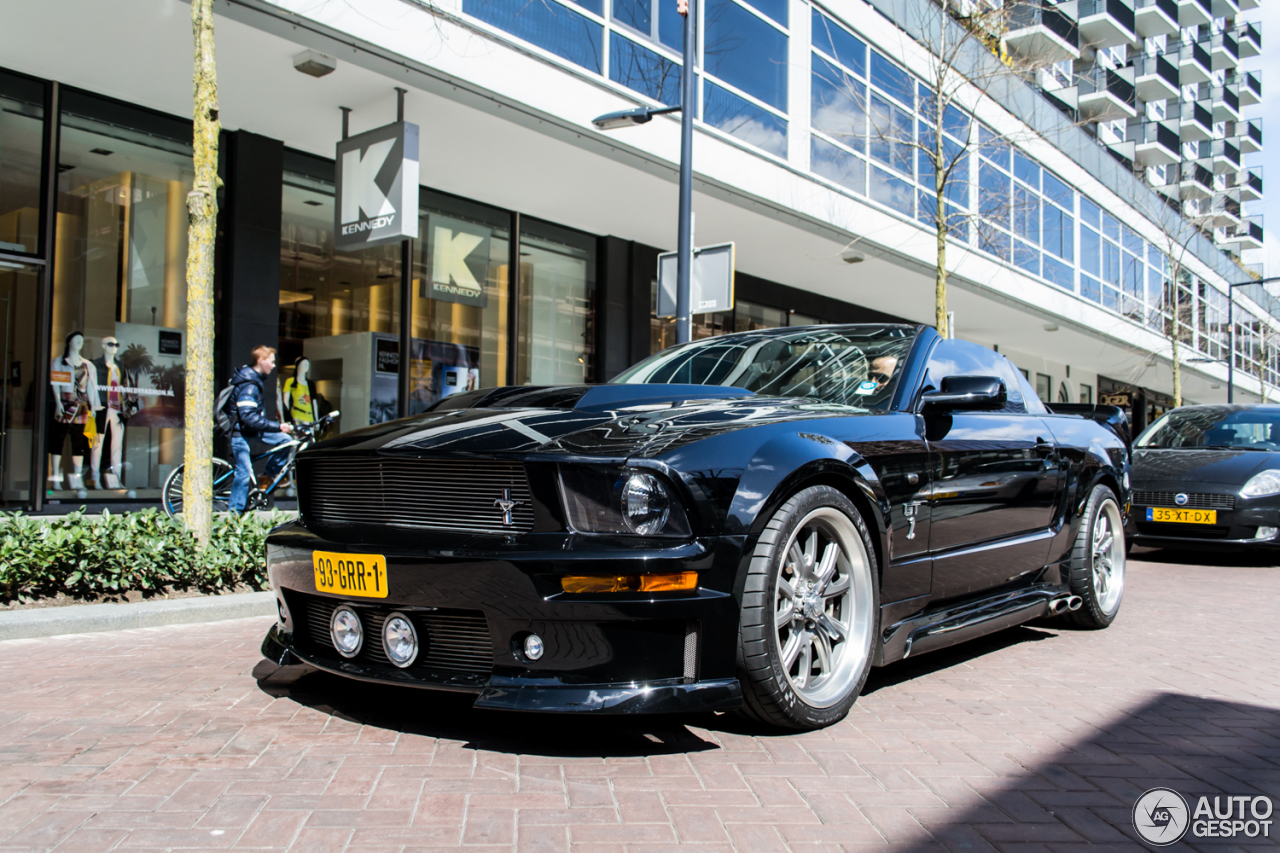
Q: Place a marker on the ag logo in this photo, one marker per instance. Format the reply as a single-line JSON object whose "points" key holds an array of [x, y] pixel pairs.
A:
{"points": [[1180, 499], [1161, 816]]}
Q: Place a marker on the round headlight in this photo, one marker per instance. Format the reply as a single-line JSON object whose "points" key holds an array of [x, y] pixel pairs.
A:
{"points": [[645, 503], [346, 631], [400, 640], [1262, 484]]}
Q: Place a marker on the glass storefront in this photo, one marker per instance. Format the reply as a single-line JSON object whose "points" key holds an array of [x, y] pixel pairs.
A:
{"points": [[745, 317], [18, 288], [115, 407], [21, 144], [340, 311]]}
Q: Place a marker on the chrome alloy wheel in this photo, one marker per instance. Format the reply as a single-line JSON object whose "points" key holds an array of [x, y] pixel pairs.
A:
{"points": [[823, 607], [1108, 557]]}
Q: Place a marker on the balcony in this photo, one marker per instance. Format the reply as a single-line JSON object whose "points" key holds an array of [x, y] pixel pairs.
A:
{"points": [[1194, 64], [1245, 236], [1248, 40], [1195, 181], [1155, 78], [1249, 86], [1194, 13], [1155, 143], [1223, 51], [1156, 18], [1247, 184], [1106, 23], [1222, 100], [1225, 8], [1042, 32], [1105, 94], [1224, 154], [1249, 136], [1195, 122], [1224, 212], [1246, 5]]}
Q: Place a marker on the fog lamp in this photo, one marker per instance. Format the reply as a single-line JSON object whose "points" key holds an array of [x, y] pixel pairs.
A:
{"points": [[346, 631], [1265, 533], [400, 640], [671, 582], [533, 647]]}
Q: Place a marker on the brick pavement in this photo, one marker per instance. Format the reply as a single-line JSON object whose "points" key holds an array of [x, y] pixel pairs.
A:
{"points": [[1032, 741]]}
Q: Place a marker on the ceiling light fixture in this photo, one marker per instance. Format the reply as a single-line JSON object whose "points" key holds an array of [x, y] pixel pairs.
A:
{"points": [[314, 63]]}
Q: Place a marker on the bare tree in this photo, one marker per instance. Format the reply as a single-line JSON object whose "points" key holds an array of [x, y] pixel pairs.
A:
{"points": [[202, 208], [966, 56]]}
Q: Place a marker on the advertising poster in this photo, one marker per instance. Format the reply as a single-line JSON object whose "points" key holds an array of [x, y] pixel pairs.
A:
{"points": [[153, 361], [459, 260], [438, 370]]}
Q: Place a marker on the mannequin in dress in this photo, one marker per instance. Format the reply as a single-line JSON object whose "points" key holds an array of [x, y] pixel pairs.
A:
{"points": [[111, 417], [75, 399], [299, 399]]}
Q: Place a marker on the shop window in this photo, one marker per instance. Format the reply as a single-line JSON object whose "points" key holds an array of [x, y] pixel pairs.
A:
{"points": [[749, 317], [1086, 394], [339, 311], [21, 135], [18, 288], [797, 319], [1043, 384], [557, 305], [119, 300]]}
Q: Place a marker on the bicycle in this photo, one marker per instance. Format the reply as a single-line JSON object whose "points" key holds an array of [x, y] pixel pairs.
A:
{"points": [[223, 473]]}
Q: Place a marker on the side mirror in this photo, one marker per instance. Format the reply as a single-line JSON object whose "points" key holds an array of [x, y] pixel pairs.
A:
{"points": [[967, 392]]}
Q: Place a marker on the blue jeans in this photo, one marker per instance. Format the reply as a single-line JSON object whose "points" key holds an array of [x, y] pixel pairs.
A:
{"points": [[244, 466]]}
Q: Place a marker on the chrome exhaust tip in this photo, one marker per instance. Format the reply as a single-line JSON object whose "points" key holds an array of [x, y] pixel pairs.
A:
{"points": [[1058, 606], [1074, 602]]}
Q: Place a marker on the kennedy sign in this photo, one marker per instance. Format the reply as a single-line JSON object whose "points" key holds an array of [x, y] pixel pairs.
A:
{"points": [[377, 187]]}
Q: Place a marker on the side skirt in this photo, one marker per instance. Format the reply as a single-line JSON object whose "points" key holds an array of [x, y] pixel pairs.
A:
{"points": [[937, 629]]}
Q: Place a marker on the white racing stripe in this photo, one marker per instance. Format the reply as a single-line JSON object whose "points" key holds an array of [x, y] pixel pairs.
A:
{"points": [[505, 419]]}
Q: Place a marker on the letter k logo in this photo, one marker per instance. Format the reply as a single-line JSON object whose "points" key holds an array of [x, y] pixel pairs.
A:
{"points": [[360, 193]]}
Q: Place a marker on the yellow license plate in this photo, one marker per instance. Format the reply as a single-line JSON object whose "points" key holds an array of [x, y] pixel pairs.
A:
{"points": [[359, 575], [1183, 516]]}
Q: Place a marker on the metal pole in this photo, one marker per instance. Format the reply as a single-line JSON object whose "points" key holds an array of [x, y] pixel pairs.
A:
{"points": [[404, 374], [44, 301], [684, 257], [1231, 353]]}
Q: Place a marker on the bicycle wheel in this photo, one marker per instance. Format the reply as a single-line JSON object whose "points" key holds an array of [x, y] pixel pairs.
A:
{"points": [[222, 474]]}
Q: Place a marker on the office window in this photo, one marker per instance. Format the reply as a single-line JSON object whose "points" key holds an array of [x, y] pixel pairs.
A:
{"points": [[552, 26]]}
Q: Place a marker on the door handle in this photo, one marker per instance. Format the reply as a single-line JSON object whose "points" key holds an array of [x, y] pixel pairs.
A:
{"points": [[1045, 448]]}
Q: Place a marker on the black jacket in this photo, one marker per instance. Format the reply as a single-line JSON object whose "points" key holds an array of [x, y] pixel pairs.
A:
{"points": [[251, 412]]}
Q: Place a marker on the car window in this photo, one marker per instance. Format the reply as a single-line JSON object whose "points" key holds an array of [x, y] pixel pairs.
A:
{"points": [[841, 365], [963, 358], [1215, 426]]}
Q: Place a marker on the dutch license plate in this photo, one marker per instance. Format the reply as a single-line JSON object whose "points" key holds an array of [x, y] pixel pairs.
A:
{"points": [[360, 575], [1183, 516]]}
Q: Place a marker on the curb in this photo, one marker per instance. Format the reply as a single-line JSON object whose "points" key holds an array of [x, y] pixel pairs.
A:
{"points": [[91, 618]]}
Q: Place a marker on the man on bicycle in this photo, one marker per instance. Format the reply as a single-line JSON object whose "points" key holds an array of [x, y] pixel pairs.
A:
{"points": [[251, 421]]}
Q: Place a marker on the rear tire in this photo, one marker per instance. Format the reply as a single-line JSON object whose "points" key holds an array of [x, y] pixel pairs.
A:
{"points": [[221, 475], [810, 613], [1098, 562]]}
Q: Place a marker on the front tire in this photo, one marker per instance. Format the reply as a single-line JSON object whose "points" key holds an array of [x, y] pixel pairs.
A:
{"points": [[1098, 562], [810, 613]]}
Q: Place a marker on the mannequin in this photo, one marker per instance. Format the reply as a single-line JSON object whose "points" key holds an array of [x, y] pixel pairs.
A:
{"points": [[111, 416], [75, 399], [299, 400]]}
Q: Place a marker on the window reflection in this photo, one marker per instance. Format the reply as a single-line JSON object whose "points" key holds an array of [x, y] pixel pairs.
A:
{"points": [[21, 135]]}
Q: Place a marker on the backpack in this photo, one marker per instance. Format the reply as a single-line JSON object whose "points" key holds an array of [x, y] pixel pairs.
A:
{"points": [[224, 419]]}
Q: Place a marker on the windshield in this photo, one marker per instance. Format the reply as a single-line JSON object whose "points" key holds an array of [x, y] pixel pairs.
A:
{"points": [[1215, 426], [843, 365]]}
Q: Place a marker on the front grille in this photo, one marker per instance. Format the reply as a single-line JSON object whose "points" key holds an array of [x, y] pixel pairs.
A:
{"points": [[1183, 531], [440, 494], [453, 641], [1194, 501]]}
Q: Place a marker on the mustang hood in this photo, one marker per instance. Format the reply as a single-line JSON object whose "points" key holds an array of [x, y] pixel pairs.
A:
{"points": [[599, 421], [1188, 466]]}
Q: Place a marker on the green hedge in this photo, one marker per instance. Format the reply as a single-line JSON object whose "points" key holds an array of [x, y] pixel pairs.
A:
{"points": [[88, 556]]}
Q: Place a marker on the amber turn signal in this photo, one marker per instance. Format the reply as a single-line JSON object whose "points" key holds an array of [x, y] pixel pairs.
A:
{"points": [[673, 582]]}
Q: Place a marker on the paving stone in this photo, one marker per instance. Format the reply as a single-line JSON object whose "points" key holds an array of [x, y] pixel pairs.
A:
{"points": [[1033, 740]]}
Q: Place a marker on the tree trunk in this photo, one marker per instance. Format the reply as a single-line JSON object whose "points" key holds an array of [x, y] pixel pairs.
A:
{"points": [[202, 209], [940, 221], [1177, 367]]}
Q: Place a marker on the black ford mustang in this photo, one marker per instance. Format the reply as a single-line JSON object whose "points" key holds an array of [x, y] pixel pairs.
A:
{"points": [[1209, 477], [750, 521]]}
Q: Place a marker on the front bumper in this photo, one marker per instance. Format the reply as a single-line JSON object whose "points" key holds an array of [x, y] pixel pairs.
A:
{"points": [[1235, 529], [474, 599]]}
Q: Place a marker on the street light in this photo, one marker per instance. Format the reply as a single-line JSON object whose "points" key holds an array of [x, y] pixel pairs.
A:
{"points": [[641, 115], [1231, 324]]}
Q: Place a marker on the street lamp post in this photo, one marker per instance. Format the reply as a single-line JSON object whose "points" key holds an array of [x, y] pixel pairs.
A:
{"points": [[1231, 326], [641, 115]]}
